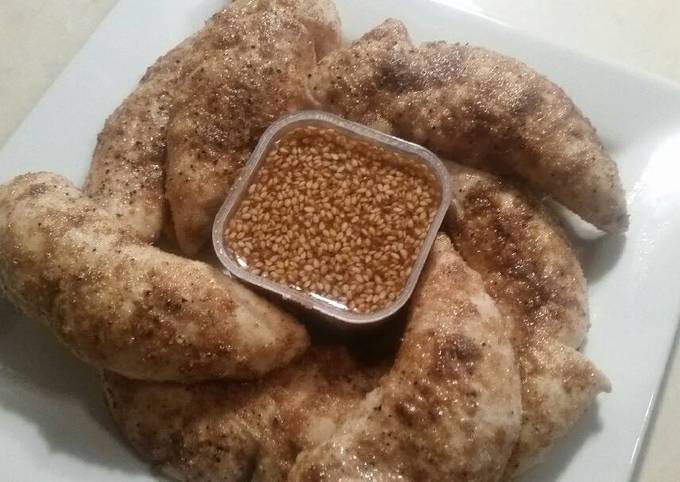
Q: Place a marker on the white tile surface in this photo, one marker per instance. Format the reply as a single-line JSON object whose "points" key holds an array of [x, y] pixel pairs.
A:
{"points": [[38, 37]]}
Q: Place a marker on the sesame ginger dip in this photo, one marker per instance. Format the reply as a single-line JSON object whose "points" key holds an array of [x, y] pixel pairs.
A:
{"points": [[338, 217]]}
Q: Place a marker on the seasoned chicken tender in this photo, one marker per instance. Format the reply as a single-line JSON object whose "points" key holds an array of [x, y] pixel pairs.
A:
{"points": [[319, 17], [476, 107], [529, 268], [122, 305], [449, 407], [223, 431], [127, 175], [223, 108]]}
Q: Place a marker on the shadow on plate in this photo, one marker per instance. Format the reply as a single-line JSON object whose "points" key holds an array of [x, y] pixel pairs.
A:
{"points": [[598, 252], [47, 386], [599, 255], [559, 457]]}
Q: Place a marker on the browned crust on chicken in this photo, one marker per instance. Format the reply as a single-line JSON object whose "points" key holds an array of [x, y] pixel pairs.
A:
{"points": [[449, 407], [122, 305], [223, 108], [476, 107], [224, 431], [529, 268], [509, 237], [128, 165], [127, 174], [319, 17]]}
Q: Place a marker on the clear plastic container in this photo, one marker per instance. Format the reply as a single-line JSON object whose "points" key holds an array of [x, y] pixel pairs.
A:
{"points": [[330, 310]]}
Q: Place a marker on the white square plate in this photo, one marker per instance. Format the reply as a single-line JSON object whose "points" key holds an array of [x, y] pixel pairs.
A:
{"points": [[53, 422]]}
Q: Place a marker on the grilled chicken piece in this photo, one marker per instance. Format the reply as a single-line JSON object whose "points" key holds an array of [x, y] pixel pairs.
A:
{"points": [[127, 174], [319, 17], [223, 108], [449, 408], [250, 431], [477, 107], [125, 306], [529, 268]]}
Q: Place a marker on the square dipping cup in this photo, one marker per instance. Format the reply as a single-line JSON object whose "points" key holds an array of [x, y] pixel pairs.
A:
{"points": [[333, 312]]}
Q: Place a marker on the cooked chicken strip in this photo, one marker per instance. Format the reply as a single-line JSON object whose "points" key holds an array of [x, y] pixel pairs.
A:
{"points": [[449, 407], [320, 17], [223, 108], [477, 107], [128, 167], [249, 431], [125, 306], [509, 237], [530, 270], [453, 392]]}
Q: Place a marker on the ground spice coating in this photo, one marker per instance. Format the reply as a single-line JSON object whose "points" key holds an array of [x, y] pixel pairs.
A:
{"points": [[336, 216]]}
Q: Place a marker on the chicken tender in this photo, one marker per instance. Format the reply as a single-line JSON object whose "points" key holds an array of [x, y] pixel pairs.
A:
{"points": [[223, 108], [250, 431], [127, 175], [449, 408], [529, 268], [125, 306], [477, 107], [319, 17]]}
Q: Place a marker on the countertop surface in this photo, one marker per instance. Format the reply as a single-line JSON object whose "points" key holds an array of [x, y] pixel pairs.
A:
{"points": [[39, 37]]}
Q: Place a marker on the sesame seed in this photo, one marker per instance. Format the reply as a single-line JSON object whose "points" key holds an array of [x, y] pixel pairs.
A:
{"points": [[340, 217]]}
